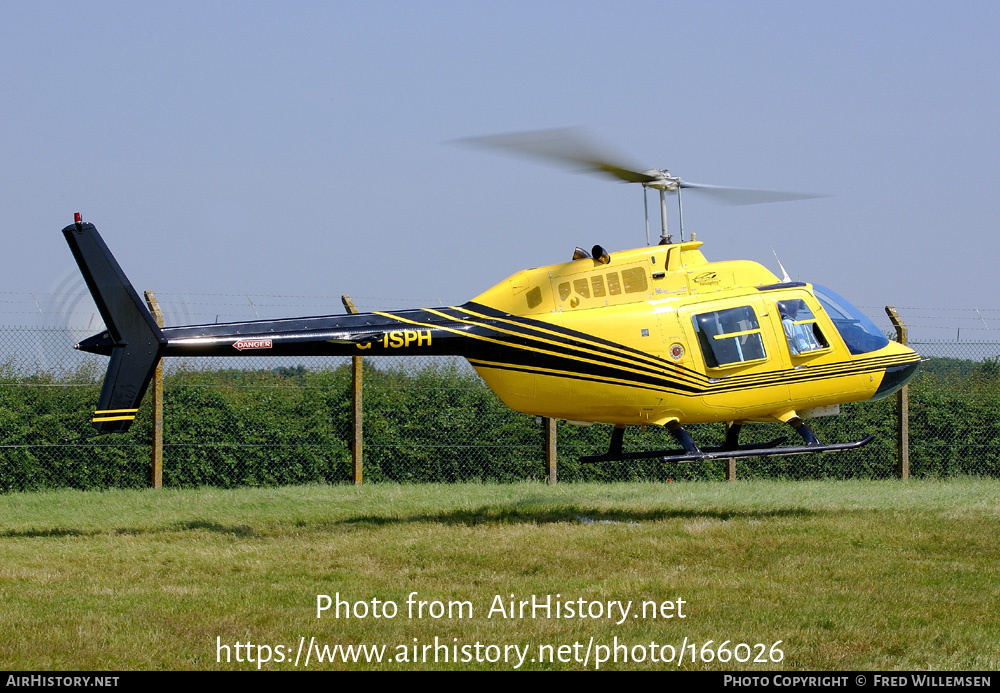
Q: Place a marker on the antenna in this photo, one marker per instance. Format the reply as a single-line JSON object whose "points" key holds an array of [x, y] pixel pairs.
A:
{"points": [[784, 274]]}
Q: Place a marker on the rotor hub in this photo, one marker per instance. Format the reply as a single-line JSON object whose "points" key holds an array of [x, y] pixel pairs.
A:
{"points": [[662, 180]]}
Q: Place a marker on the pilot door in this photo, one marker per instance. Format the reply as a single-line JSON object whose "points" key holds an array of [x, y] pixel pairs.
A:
{"points": [[819, 365]]}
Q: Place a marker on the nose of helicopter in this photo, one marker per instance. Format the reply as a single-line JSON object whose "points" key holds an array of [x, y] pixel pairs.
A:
{"points": [[894, 378]]}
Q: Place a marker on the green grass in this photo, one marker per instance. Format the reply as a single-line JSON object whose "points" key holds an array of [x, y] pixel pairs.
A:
{"points": [[847, 575]]}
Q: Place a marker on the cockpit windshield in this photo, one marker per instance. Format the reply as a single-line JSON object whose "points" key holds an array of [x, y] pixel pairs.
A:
{"points": [[860, 334]]}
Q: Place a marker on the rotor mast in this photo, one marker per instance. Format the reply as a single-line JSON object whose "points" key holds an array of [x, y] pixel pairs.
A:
{"points": [[663, 182]]}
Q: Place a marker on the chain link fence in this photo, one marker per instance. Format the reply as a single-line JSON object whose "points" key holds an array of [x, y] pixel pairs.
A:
{"points": [[242, 421]]}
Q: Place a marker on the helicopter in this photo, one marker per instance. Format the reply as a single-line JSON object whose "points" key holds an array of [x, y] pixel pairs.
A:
{"points": [[650, 336]]}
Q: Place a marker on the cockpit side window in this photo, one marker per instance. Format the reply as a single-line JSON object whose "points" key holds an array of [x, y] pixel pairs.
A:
{"points": [[799, 324]]}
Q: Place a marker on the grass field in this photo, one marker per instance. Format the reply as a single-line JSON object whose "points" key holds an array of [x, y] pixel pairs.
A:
{"points": [[846, 575]]}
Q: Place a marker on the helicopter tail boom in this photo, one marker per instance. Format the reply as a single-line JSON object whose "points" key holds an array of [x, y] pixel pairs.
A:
{"points": [[135, 343], [131, 338]]}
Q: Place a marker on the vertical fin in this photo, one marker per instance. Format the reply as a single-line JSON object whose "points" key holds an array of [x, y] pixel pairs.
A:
{"points": [[133, 339]]}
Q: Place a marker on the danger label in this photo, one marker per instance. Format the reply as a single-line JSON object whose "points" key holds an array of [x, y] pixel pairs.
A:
{"points": [[252, 344]]}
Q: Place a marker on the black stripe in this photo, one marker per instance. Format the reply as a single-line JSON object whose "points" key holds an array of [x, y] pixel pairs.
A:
{"points": [[576, 376], [580, 345], [540, 347]]}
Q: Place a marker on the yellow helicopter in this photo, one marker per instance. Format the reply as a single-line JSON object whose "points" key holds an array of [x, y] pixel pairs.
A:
{"points": [[656, 335]]}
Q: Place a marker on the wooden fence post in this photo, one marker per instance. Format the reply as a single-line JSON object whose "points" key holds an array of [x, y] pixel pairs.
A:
{"points": [[902, 406], [156, 472], [549, 437], [357, 437]]}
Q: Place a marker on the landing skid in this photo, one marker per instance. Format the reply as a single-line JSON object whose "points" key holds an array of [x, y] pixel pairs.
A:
{"points": [[768, 449]]}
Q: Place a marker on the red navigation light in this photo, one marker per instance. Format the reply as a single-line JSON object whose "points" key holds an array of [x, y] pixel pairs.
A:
{"points": [[77, 218]]}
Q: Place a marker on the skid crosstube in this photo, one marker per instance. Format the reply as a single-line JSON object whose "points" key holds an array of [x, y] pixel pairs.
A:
{"points": [[764, 450]]}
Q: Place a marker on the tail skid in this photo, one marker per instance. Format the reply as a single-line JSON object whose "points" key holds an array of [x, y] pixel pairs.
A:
{"points": [[132, 338]]}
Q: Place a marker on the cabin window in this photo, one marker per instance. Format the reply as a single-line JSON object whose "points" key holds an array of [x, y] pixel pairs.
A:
{"points": [[634, 280], [614, 284], [582, 287], [730, 336], [564, 291], [598, 284], [535, 297], [801, 330]]}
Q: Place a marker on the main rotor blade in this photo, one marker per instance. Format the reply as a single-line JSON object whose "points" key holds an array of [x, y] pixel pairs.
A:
{"points": [[745, 196], [574, 148], [564, 146]]}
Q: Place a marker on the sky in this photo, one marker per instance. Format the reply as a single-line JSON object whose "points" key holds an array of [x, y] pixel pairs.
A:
{"points": [[306, 149]]}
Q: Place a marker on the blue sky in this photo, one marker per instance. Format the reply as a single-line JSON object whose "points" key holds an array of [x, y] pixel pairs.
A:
{"points": [[302, 148]]}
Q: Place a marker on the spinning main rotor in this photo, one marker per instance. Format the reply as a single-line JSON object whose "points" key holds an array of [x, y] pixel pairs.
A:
{"points": [[569, 146]]}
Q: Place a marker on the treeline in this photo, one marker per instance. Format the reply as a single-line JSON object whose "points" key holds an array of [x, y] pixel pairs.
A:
{"points": [[292, 425]]}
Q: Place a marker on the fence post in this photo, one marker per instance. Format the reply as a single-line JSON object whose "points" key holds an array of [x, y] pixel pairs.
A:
{"points": [[902, 406], [357, 437], [549, 437], [156, 472]]}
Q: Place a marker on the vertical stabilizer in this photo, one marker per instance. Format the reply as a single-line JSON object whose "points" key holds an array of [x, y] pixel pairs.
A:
{"points": [[132, 338]]}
